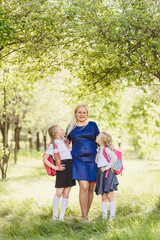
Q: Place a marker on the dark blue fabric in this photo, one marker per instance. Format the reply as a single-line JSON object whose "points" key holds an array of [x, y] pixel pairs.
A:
{"points": [[105, 185], [84, 151]]}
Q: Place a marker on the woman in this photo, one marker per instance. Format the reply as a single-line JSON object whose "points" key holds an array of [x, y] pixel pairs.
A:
{"points": [[83, 135]]}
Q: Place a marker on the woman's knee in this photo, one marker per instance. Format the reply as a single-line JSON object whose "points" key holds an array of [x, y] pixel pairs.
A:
{"points": [[84, 186], [91, 186]]}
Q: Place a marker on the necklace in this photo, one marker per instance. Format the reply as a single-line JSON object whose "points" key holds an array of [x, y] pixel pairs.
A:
{"points": [[82, 126]]}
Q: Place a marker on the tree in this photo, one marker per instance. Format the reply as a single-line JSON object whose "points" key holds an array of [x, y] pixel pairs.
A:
{"points": [[31, 37], [47, 107], [143, 123], [13, 98], [31, 31], [117, 41]]}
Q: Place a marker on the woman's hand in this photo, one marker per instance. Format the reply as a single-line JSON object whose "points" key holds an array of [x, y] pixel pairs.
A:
{"points": [[103, 169], [60, 167]]}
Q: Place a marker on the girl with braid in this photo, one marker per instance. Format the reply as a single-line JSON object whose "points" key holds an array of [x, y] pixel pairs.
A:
{"points": [[59, 149]]}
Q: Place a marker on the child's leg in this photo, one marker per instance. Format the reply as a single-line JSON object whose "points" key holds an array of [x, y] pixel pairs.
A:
{"points": [[64, 202], [112, 204], [59, 192], [104, 206]]}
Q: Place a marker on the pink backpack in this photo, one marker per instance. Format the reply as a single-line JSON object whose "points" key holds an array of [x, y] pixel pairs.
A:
{"points": [[118, 167], [51, 171]]}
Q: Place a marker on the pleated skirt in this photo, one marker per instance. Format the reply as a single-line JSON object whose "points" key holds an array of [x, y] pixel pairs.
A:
{"points": [[105, 185], [64, 178]]}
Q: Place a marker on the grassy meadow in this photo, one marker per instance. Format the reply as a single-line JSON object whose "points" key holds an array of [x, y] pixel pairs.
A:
{"points": [[26, 204]]}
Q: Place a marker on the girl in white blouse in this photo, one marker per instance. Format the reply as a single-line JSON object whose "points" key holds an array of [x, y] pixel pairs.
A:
{"points": [[106, 182], [59, 149]]}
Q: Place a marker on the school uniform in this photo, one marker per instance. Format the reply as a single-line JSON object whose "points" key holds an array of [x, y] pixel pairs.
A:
{"points": [[63, 178], [106, 184]]}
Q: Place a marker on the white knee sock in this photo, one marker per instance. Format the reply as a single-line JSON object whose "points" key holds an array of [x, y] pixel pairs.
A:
{"points": [[112, 209], [104, 209], [63, 208], [55, 206]]}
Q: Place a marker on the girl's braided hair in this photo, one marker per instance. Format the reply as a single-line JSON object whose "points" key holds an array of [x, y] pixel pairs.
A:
{"points": [[106, 138], [52, 131]]}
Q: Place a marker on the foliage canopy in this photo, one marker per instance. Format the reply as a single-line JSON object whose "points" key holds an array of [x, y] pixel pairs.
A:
{"points": [[117, 41]]}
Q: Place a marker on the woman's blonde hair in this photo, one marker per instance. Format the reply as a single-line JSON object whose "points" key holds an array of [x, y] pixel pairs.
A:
{"points": [[73, 121], [106, 138]]}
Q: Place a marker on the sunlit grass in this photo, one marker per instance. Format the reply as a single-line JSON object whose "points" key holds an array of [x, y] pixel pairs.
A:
{"points": [[27, 195]]}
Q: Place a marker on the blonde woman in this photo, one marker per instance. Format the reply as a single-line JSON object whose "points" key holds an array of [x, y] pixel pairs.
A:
{"points": [[83, 134]]}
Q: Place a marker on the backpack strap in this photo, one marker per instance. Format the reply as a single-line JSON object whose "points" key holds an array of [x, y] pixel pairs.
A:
{"points": [[106, 157], [105, 154]]}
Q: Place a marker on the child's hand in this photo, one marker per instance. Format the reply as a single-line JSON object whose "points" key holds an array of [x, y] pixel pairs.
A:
{"points": [[103, 169], [111, 147], [60, 168]]}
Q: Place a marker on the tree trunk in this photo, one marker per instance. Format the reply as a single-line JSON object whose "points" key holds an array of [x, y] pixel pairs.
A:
{"points": [[44, 139], [17, 138], [30, 140], [38, 142], [157, 75], [5, 123], [5, 158], [4, 165]]}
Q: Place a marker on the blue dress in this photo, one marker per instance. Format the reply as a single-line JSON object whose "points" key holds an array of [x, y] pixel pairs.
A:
{"points": [[84, 151]]}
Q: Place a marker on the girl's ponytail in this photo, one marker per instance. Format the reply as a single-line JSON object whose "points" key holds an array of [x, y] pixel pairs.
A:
{"points": [[52, 133], [66, 142], [106, 138]]}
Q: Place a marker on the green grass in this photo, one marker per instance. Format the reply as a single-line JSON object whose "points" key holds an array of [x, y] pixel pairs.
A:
{"points": [[26, 205]]}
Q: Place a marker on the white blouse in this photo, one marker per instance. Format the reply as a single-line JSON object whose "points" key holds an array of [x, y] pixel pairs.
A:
{"points": [[101, 160], [64, 152]]}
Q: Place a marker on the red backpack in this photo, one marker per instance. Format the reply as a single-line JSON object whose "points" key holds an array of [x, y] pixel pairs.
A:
{"points": [[118, 167], [51, 171]]}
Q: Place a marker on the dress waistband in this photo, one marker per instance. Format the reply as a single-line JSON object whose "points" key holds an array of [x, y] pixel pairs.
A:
{"points": [[66, 159]]}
